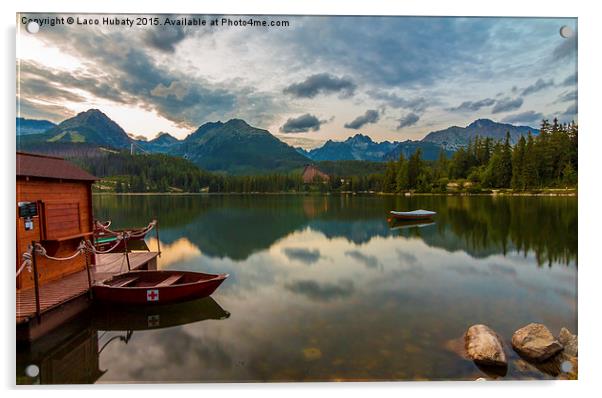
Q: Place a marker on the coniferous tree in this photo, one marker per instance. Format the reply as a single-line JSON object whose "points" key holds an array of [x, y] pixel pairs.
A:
{"points": [[518, 158], [402, 182], [530, 164], [505, 173]]}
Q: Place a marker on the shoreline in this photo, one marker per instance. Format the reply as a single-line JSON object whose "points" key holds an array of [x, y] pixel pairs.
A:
{"points": [[562, 193]]}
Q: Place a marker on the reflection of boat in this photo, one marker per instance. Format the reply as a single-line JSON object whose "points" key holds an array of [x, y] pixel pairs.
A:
{"points": [[401, 224], [155, 287], [413, 215], [108, 317]]}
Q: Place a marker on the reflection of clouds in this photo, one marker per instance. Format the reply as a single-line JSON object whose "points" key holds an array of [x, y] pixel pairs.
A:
{"points": [[305, 256], [180, 250], [368, 261], [322, 291], [397, 320], [467, 269], [503, 269], [407, 258]]}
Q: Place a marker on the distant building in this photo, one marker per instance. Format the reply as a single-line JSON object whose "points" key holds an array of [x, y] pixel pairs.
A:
{"points": [[311, 173]]}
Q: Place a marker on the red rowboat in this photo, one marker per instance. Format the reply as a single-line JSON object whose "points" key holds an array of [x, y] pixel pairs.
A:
{"points": [[413, 215], [157, 287]]}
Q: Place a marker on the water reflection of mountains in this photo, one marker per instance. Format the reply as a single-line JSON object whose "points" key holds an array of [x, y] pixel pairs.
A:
{"points": [[238, 226]]}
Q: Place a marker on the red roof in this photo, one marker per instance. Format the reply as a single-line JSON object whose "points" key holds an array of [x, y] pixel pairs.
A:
{"points": [[34, 165]]}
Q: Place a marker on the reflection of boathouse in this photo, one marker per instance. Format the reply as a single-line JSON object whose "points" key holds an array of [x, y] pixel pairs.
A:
{"points": [[55, 268], [70, 354]]}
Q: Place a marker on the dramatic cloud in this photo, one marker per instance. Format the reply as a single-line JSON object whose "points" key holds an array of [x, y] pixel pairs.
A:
{"points": [[418, 104], [539, 85], [566, 49], [177, 89], [126, 73], [181, 78], [164, 38], [301, 124], [408, 120], [567, 96], [507, 104], [571, 110], [472, 106], [42, 110], [96, 83], [570, 80], [394, 51], [322, 83], [530, 118], [371, 116]]}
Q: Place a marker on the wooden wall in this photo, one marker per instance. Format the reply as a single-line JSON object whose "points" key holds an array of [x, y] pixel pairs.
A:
{"points": [[62, 202]]}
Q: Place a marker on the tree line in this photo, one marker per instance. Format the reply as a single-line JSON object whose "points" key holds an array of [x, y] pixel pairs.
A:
{"points": [[545, 160]]}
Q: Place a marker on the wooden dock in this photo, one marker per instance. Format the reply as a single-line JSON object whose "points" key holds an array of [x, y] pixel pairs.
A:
{"points": [[74, 288]]}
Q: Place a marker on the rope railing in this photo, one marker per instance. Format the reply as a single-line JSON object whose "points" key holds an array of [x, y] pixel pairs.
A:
{"points": [[85, 246], [136, 233], [26, 256]]}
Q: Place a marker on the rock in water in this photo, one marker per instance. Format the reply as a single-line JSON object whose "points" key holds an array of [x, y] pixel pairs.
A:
{"points": [[568, 341], [535, 342], [484, 346]]}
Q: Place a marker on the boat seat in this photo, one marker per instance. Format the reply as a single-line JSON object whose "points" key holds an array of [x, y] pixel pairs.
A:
{"points": [[125, 282], [170, 281]]}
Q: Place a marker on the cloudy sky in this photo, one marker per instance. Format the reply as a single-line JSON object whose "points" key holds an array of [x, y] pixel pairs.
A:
{"points": [[319, 78]]}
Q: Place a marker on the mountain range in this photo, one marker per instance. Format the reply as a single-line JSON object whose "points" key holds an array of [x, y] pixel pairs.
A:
{"points": [[361, 147], [455, 137], [33, 126], [235, 147]]}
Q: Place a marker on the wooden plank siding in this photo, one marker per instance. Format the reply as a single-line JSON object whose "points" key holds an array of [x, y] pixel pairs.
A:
{"points": [[64, 209]]}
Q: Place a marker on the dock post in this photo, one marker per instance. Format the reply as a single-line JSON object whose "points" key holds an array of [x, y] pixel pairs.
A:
{"points": [[157, 234], [36, 283], [88, 271], [127, 257]]}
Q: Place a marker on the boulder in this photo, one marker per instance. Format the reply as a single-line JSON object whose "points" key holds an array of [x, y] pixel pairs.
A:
{"points": [[535, 342], [568, 341], [484, 346]]}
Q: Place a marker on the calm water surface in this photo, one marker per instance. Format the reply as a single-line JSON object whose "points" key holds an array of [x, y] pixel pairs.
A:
{"points": [[324, 288]]}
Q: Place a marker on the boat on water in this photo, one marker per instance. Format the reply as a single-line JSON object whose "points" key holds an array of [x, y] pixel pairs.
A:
{"points": [[157, 287], [413, 215]]}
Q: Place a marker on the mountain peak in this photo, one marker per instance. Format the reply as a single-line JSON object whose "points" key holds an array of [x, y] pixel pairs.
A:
{"points": [[237, 123], [482, 123], [164, 137], [92, 127], [359, 138]]}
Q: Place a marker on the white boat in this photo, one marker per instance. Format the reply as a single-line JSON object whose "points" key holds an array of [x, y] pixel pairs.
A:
{"points": [[413, 215]]}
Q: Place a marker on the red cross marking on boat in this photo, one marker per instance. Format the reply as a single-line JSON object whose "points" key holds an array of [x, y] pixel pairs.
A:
{"points": [[152, 295]]}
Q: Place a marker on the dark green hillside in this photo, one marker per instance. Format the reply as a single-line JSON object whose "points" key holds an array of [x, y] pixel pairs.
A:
{"points": [[91, 127], [237, 148]]}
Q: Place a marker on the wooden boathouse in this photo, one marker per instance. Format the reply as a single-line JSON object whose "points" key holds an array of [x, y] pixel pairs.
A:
{"points": [[54, 219]]}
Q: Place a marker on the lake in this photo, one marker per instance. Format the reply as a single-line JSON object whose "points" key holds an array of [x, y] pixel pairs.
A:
{"points": [[324, 288]]}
